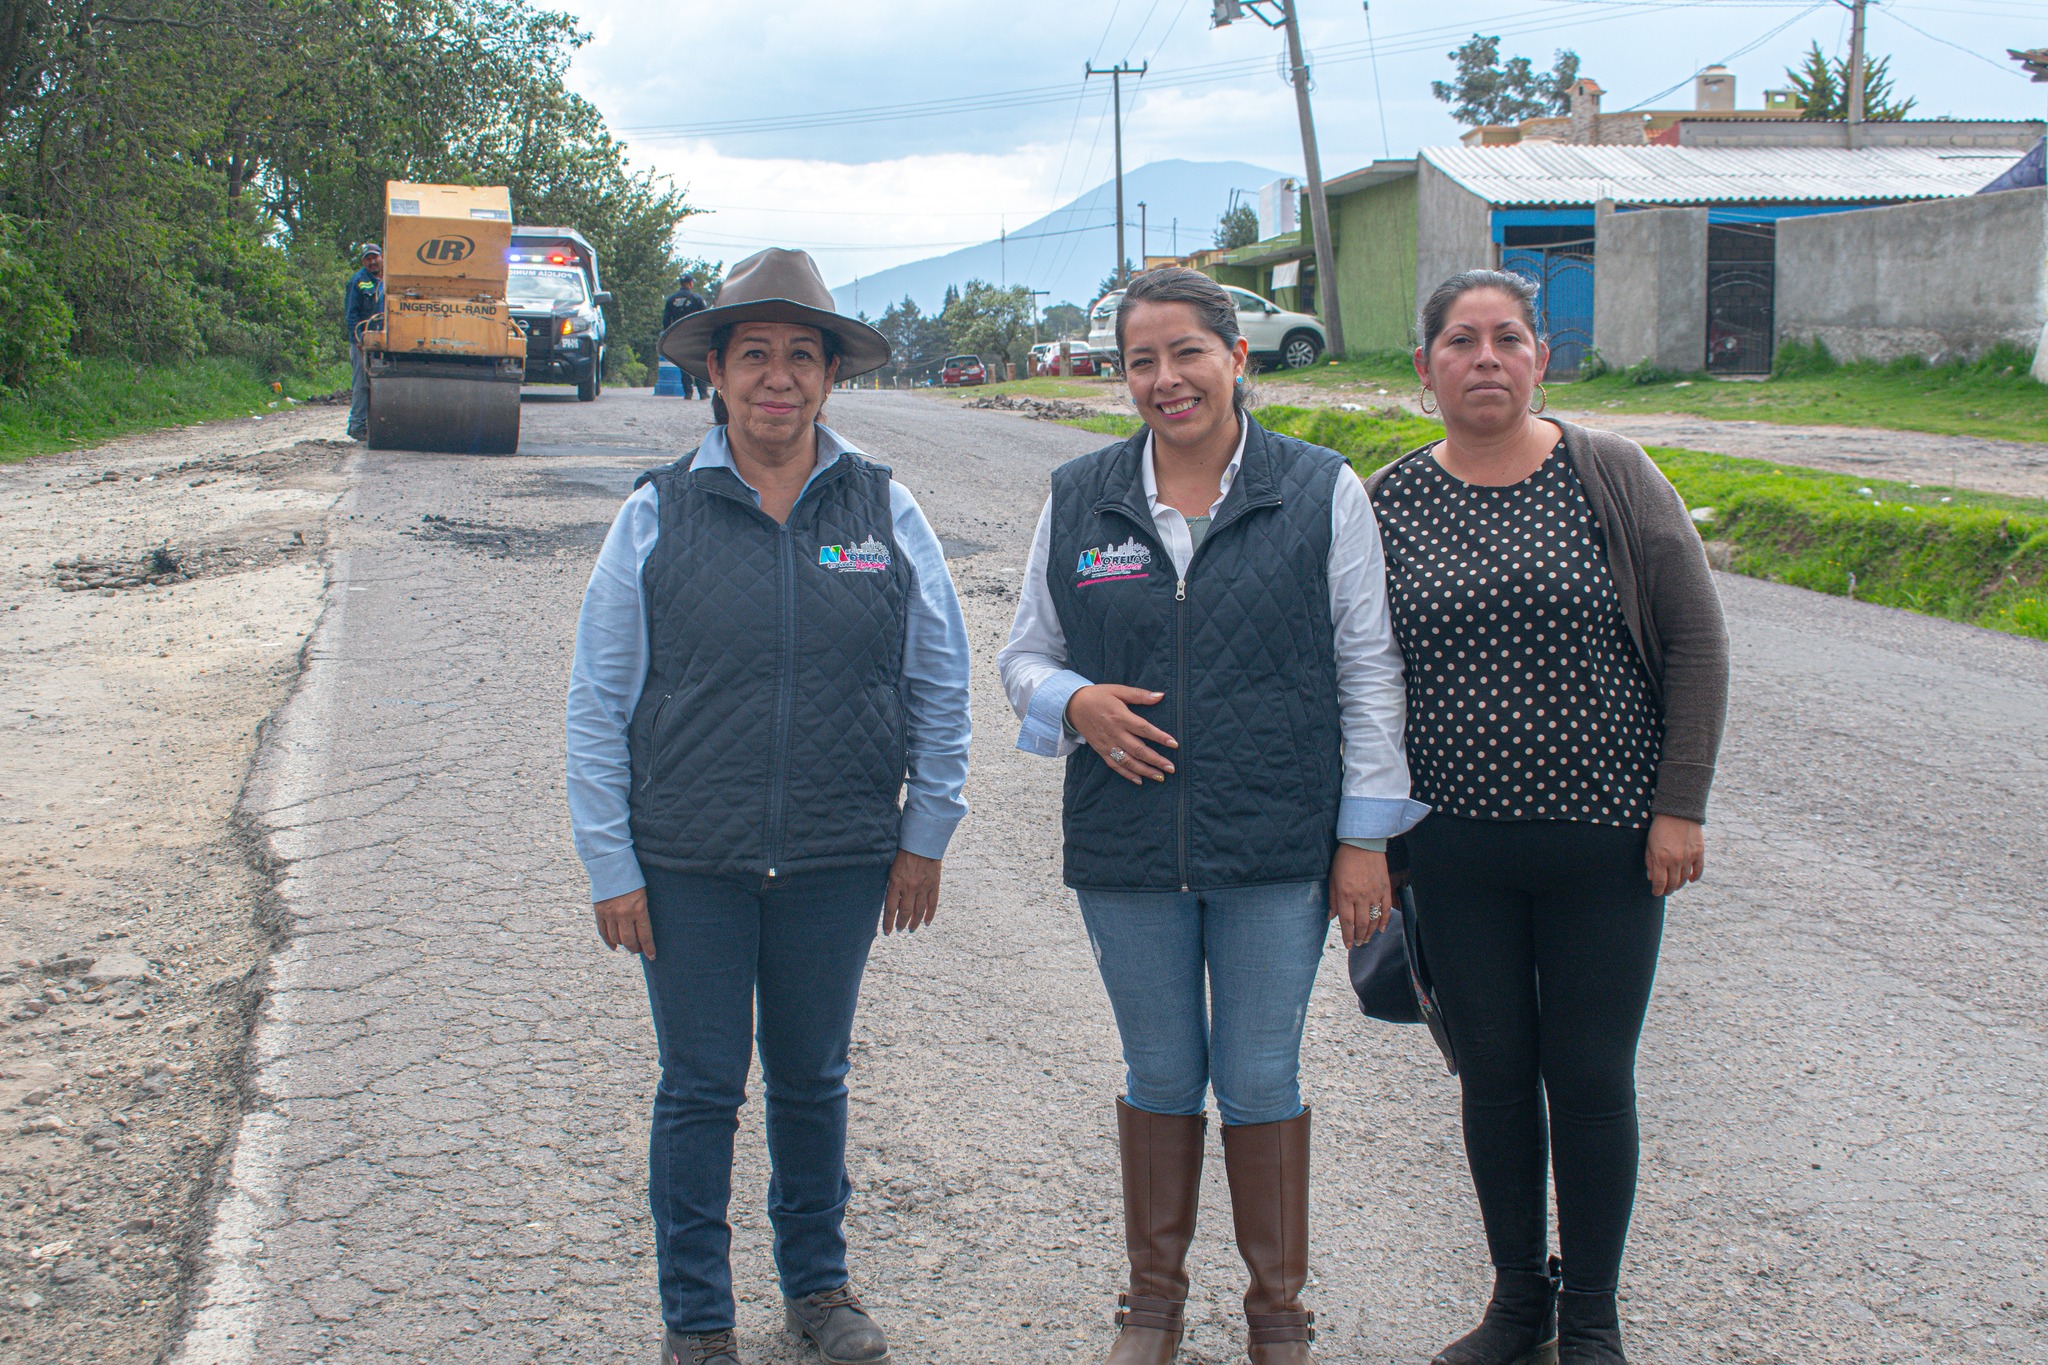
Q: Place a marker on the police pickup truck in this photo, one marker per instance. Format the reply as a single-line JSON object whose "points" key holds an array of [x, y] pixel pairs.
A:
{"points": [[558, 301]]}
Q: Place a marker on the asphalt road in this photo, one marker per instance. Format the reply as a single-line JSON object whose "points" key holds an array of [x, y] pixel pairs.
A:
{"points": [[1841, 1078]]}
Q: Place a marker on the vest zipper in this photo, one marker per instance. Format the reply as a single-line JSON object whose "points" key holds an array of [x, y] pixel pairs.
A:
{"points": [[654, 733], [785, 700], [1180, 712]]}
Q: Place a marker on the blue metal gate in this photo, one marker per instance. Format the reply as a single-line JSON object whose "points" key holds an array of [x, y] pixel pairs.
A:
{"points": [[1563, 274]]}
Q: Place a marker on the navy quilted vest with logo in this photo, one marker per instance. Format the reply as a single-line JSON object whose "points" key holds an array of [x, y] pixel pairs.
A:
{"points": [[769, 738], [1243, 650]]}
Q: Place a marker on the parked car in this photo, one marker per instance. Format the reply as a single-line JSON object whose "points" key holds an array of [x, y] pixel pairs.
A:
{"points": [[1279, 338], [1082, 359], [958, 371]]}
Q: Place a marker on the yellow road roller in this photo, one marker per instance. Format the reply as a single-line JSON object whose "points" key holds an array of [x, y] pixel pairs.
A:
{"points": [[446, 358]]}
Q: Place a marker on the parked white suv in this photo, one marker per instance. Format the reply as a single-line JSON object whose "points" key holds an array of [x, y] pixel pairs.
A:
{"points": [[1290, 341]]}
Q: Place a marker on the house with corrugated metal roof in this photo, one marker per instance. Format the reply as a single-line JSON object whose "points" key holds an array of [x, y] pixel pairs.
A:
{"points": [[1533, 208], [1399, 227]]}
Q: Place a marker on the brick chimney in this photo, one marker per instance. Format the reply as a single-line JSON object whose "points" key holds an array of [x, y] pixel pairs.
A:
{"points": [[1585, 115]]}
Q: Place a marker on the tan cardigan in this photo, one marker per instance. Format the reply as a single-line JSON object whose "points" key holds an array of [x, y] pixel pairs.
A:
{"points": [[1667, 596]]}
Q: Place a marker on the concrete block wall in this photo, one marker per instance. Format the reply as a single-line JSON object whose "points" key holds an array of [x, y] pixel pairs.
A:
{"points": [[1650, 288], [1942, 278], [1453, 230]]}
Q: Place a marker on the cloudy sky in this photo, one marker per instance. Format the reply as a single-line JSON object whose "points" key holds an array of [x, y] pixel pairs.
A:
{"points": [[874, 133]]}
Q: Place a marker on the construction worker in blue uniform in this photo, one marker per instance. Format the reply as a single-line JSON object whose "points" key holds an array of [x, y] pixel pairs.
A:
{"points": [[362, 300]]}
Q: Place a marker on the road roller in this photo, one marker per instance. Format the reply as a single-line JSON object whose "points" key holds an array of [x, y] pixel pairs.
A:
{"points": [[446, 358]]}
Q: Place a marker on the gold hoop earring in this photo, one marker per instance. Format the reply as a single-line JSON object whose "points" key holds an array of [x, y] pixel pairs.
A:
{"points": [[1542, 400], [1427, 410]]}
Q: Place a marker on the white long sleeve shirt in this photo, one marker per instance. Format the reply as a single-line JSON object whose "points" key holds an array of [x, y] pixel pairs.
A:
{"points": [[1371, 692]]}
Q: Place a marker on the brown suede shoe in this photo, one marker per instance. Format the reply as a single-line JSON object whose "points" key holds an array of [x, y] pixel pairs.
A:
{"points": [[835, 1322], [1162, 1167], [1268, 1168]]}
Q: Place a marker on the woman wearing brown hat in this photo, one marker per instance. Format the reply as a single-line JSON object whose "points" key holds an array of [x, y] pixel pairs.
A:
{"points": [[767, 741], [1567, 672]]}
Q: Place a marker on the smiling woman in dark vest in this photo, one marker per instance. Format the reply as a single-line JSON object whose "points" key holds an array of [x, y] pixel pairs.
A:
{"points": [[770, 654], [1203, 635]]}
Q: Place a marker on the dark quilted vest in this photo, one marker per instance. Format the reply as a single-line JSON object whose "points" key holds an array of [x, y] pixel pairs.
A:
{"points": [[770, 732], [1244, 653]]}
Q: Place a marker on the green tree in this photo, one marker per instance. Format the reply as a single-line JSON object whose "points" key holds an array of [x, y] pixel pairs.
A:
{"points": [[198, 172], [1485, 90], [1823, 87], [1116, 279], [1064, 320], [1239, 226], [917, 340], [986, 319]]}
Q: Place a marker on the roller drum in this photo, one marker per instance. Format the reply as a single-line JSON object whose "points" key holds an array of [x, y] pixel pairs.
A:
{"points": [[449, 406]]}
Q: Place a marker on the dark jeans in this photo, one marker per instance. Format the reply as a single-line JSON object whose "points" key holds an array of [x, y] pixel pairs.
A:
{"points": [[1543, 937], [799, 945]]}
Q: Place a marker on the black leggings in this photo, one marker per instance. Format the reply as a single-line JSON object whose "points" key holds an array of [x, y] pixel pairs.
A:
{"points": [[1542, 936]]}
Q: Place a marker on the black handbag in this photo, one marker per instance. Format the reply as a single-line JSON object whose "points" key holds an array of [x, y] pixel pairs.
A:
{"points": [[1392, 979]]}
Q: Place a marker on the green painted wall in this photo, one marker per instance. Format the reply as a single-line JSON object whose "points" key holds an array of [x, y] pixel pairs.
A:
{"points": [[1373, 232]]}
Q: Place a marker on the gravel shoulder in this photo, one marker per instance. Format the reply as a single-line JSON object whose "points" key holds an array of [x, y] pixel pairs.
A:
{"points": [[132, 933]]}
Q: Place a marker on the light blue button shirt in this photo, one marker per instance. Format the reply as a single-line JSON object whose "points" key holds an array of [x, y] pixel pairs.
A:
{"points": [[610, 670]]}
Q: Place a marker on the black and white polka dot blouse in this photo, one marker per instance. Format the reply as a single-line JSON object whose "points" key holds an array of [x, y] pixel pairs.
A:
{"points": [[1526, 697]]}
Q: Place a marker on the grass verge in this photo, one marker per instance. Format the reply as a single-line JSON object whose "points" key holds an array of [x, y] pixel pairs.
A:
{"points": [[1993, 397], [1980, 558], [104, 399]]}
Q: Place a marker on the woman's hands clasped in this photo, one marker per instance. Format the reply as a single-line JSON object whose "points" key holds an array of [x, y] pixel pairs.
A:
{"points": [[1102, 715], [1361, 894]]}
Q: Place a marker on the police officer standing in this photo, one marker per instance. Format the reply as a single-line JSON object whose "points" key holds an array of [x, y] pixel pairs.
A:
{"points": [[679, 305], [362, 300]]}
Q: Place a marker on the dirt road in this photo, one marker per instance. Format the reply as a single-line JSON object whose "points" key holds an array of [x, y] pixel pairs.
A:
{"points": [[443, 1157], [157, 597]]}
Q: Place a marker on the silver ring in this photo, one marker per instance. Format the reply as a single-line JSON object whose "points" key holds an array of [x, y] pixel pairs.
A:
{"points": [[1117, 755], [1372, 912]]}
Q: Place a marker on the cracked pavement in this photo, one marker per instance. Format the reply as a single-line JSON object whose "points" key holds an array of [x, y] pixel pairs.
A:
{"points": [[1840, 1080]]}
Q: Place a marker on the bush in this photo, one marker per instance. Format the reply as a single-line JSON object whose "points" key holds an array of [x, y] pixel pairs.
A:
{"points": [[35, 321], [1795, 358], [623, 368]]}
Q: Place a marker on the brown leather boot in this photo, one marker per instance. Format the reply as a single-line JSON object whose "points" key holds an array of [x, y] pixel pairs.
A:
{"points": [[1268, 1168], [1162, 1161]]}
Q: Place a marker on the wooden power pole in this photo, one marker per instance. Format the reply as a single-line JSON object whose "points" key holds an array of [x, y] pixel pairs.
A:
{"points": [[1116, 76], [1223, 12]]}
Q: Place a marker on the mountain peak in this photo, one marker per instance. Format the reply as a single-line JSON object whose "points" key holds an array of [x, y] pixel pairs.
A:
{"points": [[1071, 249]]}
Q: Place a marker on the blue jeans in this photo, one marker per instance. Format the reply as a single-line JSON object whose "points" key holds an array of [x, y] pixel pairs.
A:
{"points": [[799, 945], [1255, 949], [359, 392]]}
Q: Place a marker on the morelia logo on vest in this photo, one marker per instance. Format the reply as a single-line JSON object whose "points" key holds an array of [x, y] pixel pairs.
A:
{"points": [[870, 556], [1117, 564]]}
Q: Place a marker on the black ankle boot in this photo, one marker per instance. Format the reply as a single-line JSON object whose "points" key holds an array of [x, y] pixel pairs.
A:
{"points": [[1520, 1326], [1588, 1329]]}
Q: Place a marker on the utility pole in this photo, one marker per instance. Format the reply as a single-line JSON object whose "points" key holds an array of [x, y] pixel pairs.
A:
{"points": [[1116, 76], [1223, 12], [1144, 236], [1855, 74], [1036, 295]]}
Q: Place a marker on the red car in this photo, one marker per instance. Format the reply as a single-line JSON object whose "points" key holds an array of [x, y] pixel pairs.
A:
{"points": [[1081, 360], [960, 371]]}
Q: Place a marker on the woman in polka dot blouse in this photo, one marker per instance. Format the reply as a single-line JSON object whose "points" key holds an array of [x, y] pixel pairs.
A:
{"points": [[1566, 667]]}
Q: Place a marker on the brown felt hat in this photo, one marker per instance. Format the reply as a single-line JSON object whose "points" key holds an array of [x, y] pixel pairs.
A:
{"points": [[776, 285]]}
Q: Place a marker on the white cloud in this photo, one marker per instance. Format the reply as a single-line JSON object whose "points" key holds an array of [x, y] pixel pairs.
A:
{"points": [[856, 218]]}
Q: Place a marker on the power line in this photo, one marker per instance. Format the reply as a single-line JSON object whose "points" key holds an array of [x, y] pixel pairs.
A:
{"points": [[2002, 66], [1744, 50], [1513, 24]]}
